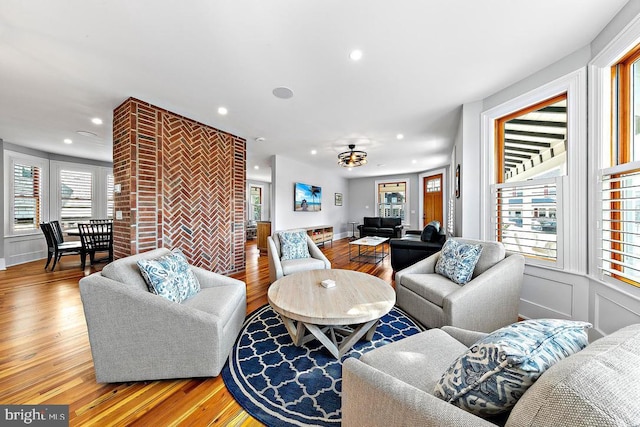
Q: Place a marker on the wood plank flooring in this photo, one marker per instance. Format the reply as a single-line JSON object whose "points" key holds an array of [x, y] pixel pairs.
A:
{"points": [[45, 355]]}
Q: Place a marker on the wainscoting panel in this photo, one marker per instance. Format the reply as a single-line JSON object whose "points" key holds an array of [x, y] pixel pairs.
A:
{"points": [[612, 309], [21, 249], [553, 294]]}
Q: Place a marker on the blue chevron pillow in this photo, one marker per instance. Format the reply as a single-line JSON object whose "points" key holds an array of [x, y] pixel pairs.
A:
{"points": [[170, 276], [492, 375], [458, 260]]}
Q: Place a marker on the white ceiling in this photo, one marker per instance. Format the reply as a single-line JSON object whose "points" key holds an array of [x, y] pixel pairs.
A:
{"points": [[64, 62]]}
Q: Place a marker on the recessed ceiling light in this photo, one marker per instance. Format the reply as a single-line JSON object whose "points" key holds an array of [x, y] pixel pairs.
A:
{"points": [[222, 111], [414, 161], [356, 55], [399, 136], [349, 169], [314, 152], [67, 141], [282, 92], [256, 167], [96, 121]]}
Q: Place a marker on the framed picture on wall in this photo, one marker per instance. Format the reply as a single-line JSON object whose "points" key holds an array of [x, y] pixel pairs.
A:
{"points": [[338, 199]]}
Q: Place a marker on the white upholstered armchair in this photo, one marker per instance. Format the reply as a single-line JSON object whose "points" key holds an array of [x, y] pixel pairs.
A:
{"points": [[280, 266], [487, 302]]}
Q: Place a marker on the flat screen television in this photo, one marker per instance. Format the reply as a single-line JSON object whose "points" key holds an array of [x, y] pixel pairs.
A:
{"points": [[307, 198]]}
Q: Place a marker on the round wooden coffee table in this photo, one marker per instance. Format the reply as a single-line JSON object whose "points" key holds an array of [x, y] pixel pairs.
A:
{"points": [[352, 308]]}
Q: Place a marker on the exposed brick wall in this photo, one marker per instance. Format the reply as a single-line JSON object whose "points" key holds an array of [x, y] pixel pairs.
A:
{"points": [[183, 186]]}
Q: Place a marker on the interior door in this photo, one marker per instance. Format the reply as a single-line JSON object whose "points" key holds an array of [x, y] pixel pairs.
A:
{"points": [[432, 200]]}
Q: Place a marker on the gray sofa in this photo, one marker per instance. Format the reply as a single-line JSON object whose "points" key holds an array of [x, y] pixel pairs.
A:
{"points": [[136, 335], [487, 302], [393, 385]]}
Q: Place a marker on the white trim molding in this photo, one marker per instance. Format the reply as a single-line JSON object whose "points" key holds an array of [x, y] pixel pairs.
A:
{"points": [[574, 235]]}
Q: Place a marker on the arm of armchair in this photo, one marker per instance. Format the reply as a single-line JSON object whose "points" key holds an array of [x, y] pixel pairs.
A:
{"points": [[209, 279], [275, 266], [373, 398], [316, 253], [497, 290]]}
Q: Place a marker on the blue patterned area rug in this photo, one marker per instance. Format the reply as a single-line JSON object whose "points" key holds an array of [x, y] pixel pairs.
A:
{"points": [[284, 385]]}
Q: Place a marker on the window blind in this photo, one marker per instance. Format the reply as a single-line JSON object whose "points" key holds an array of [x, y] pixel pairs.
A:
{"points": [[75, 197], [26, 197], [526, 217], [620, 222]]}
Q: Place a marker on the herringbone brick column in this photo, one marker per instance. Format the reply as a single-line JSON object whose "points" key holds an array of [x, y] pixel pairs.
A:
{"points": [[183, 186]]}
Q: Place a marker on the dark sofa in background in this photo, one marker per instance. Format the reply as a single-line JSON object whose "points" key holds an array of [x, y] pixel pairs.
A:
{"points": [[382, 227], [416, 245]]}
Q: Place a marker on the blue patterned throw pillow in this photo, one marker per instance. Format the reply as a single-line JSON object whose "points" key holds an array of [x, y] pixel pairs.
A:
{"points": [[496, 371], [170, 276], [293, 245], [458, 260]]}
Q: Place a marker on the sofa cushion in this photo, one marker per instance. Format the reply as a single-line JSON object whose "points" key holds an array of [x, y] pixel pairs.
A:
{"points": [[493, 374], [458, 260], [126, 270], [370, 229], [597, 386], [371, 221], [390, 222], [302, 264], [418, 360], [170, 276], [293, 245], [432, 287]]}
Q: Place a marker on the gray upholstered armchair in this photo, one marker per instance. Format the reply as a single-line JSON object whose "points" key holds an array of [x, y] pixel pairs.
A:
{"points": [[487, 302], [136, 335], [279, 268]]}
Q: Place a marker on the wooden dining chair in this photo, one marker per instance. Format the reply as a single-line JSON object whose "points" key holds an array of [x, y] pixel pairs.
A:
{"points": [[97, 237], [101, 221], [56, 249]]}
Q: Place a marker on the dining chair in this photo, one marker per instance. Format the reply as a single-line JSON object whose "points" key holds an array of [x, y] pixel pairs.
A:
{"points": [[95, 237], [101, 221], [56, 249]]}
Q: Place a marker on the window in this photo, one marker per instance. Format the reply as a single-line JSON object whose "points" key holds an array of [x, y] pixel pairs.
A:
{"points": [[27, 197], [620, 183], [531, 159], [392, 199], [255, 200], [76, 191], [110, 199]]}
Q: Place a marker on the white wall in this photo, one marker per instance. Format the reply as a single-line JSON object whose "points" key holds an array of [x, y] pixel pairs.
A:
{"points": [[285, 173], [363, 197]]}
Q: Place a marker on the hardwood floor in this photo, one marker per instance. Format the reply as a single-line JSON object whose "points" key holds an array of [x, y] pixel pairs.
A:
{"points": [[45, 355]]}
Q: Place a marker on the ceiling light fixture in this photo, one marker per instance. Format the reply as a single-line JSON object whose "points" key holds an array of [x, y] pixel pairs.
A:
{"points": [[282, 92], [96, 121], [356, 55], [67, 141], [256, 167], [352, 158], [222, 111], [314, 152], [400, 136]]}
